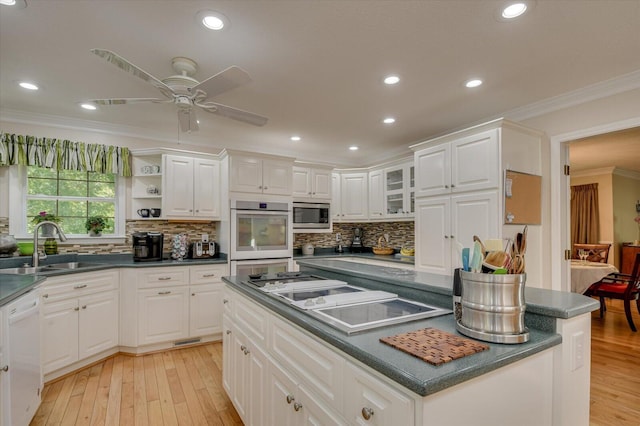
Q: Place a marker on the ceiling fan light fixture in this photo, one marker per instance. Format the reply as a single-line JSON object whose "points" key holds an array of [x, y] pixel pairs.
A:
{"points": [[212, 20]]}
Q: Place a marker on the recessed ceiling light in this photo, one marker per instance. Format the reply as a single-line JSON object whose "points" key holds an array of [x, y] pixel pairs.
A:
{"points": [[389, 120], [473, 83], [90, 107], [295, 138], [514, 10], [353, 148], [18, 4], [391, 79], [27, 85], [212, 20]]}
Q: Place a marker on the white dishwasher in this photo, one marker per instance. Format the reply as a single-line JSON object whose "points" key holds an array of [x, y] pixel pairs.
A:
{"points": [[22, 353]]}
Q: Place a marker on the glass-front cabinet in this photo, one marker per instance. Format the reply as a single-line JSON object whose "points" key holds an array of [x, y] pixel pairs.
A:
{"points": [[399, 192]]}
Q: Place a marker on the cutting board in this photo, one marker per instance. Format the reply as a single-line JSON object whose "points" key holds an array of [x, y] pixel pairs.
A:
{"points": [[434, 346]]}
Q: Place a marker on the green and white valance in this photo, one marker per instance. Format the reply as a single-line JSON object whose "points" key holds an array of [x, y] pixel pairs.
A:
{"points": [[63, 154]]}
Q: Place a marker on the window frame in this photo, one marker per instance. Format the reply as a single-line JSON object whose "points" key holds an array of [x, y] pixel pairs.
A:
{"points": [[18, 209]]}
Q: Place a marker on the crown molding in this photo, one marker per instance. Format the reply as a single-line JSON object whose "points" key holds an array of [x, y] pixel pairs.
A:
{"points": [[579, 96], [631, 174]]}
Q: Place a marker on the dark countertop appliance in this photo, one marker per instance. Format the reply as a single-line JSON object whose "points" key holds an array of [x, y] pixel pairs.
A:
{"points": [[147, 246], [356, 244], [203, 250]]}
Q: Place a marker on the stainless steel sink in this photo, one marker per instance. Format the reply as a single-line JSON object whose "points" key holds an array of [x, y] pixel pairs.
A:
{"points": [[73, 265], [44, 269]]}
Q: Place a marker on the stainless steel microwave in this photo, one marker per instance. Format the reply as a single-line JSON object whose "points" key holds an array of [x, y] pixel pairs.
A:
{"points": [[311, 215]]}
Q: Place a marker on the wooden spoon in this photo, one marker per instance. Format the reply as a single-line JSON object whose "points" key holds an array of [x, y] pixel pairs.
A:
{"points": [[476, 238]]}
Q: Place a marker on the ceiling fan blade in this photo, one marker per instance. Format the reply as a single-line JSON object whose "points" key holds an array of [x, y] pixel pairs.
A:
{"points": [[187, 119], [234, 113], [127, 66], [224, 81], [127, 101]]}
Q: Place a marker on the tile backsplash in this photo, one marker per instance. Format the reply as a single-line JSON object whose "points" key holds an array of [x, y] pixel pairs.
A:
{"points": [[194, 230], [401, 234]]}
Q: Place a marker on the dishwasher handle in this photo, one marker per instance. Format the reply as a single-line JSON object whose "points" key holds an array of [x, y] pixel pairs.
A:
{"points": [[23, 313]]}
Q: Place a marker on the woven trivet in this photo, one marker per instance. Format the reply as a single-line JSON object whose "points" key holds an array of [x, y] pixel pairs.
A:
{"points": [[434, 346]]}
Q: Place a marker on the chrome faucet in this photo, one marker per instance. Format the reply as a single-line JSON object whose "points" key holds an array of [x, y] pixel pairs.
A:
{"points": [[35, 257]]}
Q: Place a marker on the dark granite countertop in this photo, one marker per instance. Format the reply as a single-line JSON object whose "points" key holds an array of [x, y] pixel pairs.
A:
{"points": [[413, 373], [13, 286]]}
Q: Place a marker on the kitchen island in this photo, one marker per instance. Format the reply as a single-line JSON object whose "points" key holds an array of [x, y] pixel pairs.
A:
{"points": [[348, 377]]}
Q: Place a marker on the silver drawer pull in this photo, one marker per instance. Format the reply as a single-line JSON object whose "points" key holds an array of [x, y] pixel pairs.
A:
{"points": [[290, 399], [164, 278], [76, 309], [164, 292], [46, 295], [228, 331], [225, 301], [5, 368], [208, 275], [79, 286], [297, 406], [367, 413], [84, 307]]}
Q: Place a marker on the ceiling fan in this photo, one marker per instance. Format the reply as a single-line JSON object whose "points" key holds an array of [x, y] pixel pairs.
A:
{"points": [[185, 91]]}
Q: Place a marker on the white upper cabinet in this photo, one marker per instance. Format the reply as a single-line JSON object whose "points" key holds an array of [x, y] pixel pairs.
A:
{"points": [[399, 191], [310, 182], [191, 187], [354, 196], [376, 194], [336, 197], [260, 175], [469, 163]]}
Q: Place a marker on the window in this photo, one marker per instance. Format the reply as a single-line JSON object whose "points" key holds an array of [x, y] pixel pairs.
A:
{"points": [[71, 195]]}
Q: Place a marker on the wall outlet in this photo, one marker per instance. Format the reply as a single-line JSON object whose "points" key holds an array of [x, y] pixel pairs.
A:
{"points": [[577, 350], [338, 236]]}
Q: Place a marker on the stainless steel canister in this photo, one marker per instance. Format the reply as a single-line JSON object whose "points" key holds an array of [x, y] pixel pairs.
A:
{"points": [[493, 304]]}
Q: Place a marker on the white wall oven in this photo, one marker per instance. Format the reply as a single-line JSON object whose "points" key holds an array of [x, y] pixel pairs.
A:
{"points": [[260, 230]]}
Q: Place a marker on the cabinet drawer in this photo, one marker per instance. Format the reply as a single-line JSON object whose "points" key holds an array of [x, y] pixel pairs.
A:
{"points": [[207, 273], [321, 368], [167, 276], [370, 401], [252, 319], [74, 285]]}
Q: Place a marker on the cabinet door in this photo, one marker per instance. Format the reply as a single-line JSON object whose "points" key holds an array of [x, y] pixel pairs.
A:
{"points": [[354, 201], [336, 197], [98, 323], [301, 182], [245, 174], [433, 248], [376, 195], [474, 162], [206, 188], [59, 334], [228, 362], [241, 378], [321, 184], [315, 412], [177, 199], [205, 309], [433, 175], [370, 401], [163, 314], [473, 214], [282, 394], [258, 376], [276, 177], [4, 409]]}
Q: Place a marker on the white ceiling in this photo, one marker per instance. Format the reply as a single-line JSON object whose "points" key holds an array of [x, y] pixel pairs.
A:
{"points": [[317, 66], [616, 149]]}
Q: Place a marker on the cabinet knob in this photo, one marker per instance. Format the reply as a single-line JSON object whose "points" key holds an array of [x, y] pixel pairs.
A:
{"points": [[197, 211], [246, 351], [193, 294], [228, 331], [367, 413], [265, 188], [313, 193], [297, 406], [5, 368], [84, 306], [225, 301], [446, 186], [446, 236], [76, 309], [308, 193], [190, 210], [243, 348], [45, 296], [451, 236], [290, 399], [260, 187], [453, 186]]}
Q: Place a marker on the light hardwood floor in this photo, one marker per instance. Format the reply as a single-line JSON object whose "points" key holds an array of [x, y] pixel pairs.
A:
{"points": [[184, 386], [615, 368], [178, 387]]}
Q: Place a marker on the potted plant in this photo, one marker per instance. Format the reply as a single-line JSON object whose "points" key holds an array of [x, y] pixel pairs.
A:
{"points": [[95, 225], [48, 231]]}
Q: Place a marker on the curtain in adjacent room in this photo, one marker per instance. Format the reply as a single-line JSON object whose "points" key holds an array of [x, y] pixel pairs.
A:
{"points": [[63, 154], [585, 219]]}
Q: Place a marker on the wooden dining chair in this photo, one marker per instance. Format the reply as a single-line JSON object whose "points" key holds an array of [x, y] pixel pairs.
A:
{"points": [[597, 252], [619, 286]]}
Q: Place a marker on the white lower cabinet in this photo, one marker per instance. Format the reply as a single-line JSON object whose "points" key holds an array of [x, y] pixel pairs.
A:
{"points": [[77, 320], [292, 404], [205, 309], [296, 379], [369, 401], [163, 314]]}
